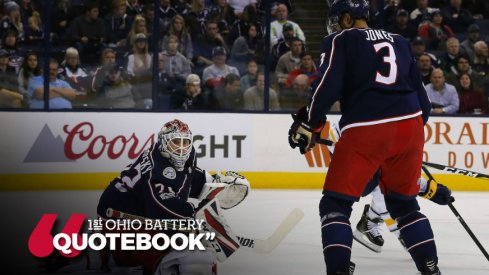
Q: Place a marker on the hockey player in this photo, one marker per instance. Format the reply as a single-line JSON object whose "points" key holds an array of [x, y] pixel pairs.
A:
{"points": [[374, 75], [158, 185], [368, 232]]}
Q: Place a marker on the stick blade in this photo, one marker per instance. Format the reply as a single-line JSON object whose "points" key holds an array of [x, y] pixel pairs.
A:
{"points": [[268, 245]]}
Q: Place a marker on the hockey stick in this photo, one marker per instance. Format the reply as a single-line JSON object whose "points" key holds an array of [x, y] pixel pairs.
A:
{"points": [[255, 245], [464, 224], [324, 142], [458, 171], [461, 220]]}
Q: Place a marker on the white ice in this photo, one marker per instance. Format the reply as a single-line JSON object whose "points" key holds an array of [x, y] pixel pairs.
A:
{"points": [[257, 217]]}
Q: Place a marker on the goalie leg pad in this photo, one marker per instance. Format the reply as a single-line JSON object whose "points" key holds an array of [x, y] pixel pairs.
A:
{"points": [[225, 242], [417, 235]]}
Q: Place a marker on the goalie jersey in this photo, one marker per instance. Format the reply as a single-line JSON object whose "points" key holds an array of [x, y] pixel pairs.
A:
{"points": [[374, 76], [151, 187]]}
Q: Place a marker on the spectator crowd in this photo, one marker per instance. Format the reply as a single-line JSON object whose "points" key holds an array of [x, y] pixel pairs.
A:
{"points": [[210, 54]]}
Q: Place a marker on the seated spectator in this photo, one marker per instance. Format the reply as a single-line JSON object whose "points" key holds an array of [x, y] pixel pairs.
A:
{"points": [[133, 8], [139, 67], [241, 26], [473, 35], [448, 59], [204, 44], [276, 26], [443, 96], [10, 44], [116, 92], [182, 7], [479, 8], [249, 79], [34, 32], [425, 68], [176, 64], [419, 47], [30, 68], [463, 66], [456, 17], [402, 26], [167, 85], [193, 98], [26, 10], [307, 67], [386, 16], [88, 32], [10, 99], [292, 99], [139, 61], [472, 101], [167, 12], [214, 74], [248, 46], [60, 92], [150, 17], [12, 21], [284, 44], [9, 96], [239, 5], [229, 95], [435, 32], [61, 18], [289, 61], [138, 26], [481, 58], [421, 15], [199, 13], [254, 97], [178, 29], [72, 72], [223, 13], [117, 25], [108, 57]]}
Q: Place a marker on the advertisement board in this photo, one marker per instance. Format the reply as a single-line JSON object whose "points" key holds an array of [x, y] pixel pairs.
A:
{"points": [[86, 150]]}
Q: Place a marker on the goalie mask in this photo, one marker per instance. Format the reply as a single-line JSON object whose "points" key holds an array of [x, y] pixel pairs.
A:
{"points": [[175, 143]]}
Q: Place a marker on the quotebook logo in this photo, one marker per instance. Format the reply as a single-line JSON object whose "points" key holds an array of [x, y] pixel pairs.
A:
{"points": [[41, 241], [128, 234]]}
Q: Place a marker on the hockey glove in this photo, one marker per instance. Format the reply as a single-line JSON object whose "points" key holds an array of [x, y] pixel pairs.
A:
{"points": [[438, 193], [300, 133]]}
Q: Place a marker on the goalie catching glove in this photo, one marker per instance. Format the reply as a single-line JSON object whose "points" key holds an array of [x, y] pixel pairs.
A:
{"points": [[438, 193], [301, 134], [230, 189]]}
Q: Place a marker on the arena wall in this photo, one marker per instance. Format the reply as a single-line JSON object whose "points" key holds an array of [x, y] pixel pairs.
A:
{"points": [[72, 150]]}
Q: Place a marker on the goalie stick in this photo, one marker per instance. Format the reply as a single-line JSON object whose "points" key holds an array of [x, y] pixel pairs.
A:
{"points": [[256, 245], [460, 219], [457, 171]]}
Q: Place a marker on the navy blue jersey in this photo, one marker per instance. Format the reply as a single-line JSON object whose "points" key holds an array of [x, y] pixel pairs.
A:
{"points": [[151, 187], [374, 75]]}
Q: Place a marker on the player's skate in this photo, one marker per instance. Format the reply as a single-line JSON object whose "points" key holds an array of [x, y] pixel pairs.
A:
{"points": [[351, 269], [368, 232], [431, 268]]}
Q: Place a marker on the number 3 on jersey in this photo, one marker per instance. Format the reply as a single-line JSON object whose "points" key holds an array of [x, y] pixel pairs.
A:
{"points": [[390, 59]]}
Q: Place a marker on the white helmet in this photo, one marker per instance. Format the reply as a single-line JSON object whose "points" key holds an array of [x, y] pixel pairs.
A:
{"points": [[175, 143]]}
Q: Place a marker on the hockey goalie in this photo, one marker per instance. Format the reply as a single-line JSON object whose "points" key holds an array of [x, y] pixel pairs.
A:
{"points": [[158, 185]]}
